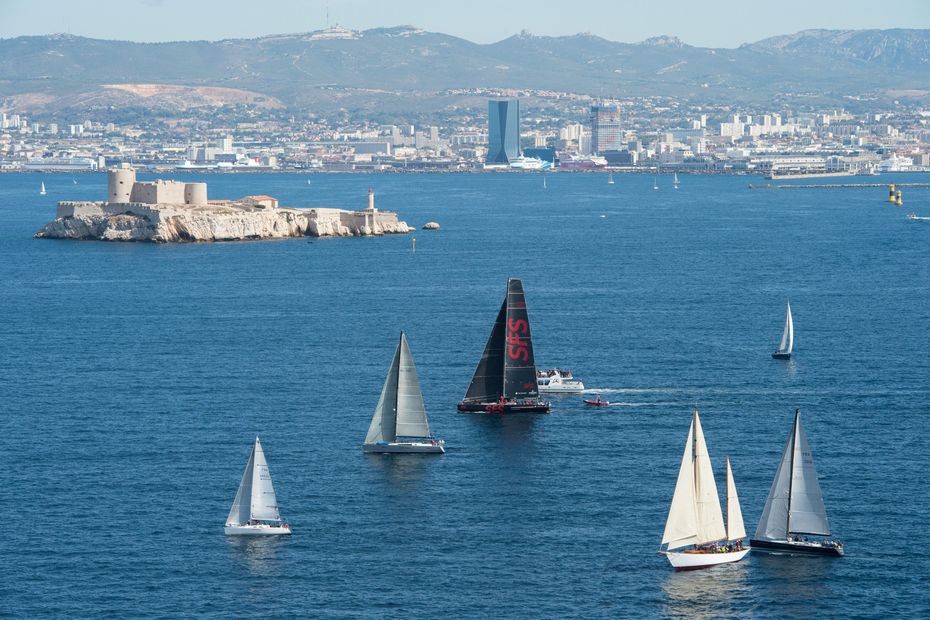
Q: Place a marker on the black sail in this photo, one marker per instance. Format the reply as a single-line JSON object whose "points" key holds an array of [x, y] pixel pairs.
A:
{"points": [[488, 382], [519, 362]]}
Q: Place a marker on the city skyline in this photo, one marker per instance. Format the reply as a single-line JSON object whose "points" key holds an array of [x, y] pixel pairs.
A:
{"points": [[707, 25]]}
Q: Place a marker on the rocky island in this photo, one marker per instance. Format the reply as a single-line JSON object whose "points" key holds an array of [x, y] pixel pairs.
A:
{"points": [[171, 212]]}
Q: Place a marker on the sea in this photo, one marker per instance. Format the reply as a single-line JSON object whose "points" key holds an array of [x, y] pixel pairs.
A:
{"points": [[135, 377]]}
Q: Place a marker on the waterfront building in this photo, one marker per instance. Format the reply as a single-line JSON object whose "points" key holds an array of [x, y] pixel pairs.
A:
{"points": [[606, 134], [503, 131]]}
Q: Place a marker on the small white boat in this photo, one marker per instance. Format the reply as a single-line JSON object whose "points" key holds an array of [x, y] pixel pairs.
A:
{"points": [[557, 381], [655, 183], [695, 536], [255, 510], [544, 182], [399, 424], [787, 338], [42, 191], [610, 179], [675, 181]]}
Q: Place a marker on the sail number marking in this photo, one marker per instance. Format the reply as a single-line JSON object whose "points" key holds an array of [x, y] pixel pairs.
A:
{"points": [[516, 347]]}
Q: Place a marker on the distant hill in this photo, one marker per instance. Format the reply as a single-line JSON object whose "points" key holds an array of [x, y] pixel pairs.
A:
{"points": [[369, 68]]}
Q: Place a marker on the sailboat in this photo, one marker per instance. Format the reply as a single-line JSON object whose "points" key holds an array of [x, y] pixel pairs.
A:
{"points": [[400, 412], [787, 338], [544, 182], [255, 509], [794, 508], [610, 178], [505, 379], [42, 191], [675, 181], [655, 183], [695, 536]]}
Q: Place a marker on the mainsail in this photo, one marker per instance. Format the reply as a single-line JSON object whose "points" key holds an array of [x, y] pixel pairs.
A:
{"points": [[400, 411], [735, 528], [694, 517], [264, 501], [255, 498], [787, 337], [508, 366], [519, 361], [795, 502]]}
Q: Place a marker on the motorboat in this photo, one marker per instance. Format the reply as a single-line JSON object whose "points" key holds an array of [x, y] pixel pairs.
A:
{"points": [[558, 381]]}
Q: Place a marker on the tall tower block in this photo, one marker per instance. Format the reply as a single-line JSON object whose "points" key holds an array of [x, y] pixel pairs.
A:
{"points": [[119, 184]]}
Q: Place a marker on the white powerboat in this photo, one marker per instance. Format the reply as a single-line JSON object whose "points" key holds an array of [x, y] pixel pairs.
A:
{"points": [[255, 510], [558, 381]]}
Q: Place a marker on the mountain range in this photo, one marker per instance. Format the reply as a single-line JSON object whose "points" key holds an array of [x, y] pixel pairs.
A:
{"points": [[405, 66]]}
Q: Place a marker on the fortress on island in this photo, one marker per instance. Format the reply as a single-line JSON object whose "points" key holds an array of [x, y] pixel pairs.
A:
{"points": [[172, 211]]}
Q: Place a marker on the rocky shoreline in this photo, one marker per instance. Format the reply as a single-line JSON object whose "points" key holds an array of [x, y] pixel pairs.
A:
{"points": [[168, 224]]}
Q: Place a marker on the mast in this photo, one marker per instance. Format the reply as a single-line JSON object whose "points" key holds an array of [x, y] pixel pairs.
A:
{"points": [[794, 446]]}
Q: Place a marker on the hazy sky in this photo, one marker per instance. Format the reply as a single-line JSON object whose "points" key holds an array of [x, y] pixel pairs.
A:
{"points": [[715, 23]]}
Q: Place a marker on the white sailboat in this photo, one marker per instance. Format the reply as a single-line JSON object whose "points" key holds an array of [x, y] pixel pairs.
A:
{"points": [[610, 178], [794, 509], [787, 338], [544, 182], [655, 182], [42, 191], [675, 181], [695, 536], [399, 423], [255, 509]]}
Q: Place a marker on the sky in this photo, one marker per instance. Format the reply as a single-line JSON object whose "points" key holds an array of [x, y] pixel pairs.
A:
{"points": [[706, 23]]}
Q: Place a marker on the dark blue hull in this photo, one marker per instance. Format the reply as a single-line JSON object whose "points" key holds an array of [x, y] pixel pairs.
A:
{"points": [[769, 546]]}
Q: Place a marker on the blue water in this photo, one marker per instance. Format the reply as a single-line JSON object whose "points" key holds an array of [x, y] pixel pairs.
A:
{"points": [[134, 377]]}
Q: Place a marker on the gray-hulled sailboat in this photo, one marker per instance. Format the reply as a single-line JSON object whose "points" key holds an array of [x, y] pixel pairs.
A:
{"points": [[255, 509], [695, 536], [505, 379], [794, 510], [399, 423], [787, 338]]}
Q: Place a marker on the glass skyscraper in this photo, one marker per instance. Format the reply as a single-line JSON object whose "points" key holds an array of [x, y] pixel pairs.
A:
{"points": [[606, 134], [503, 131]]}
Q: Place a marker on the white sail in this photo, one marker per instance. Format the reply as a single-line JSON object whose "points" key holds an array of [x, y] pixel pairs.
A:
{"points": [[411, 413], [42, 191], [707, 502], [773, 525], [806, 511], [675, 180], [383, 426], [787, 337], [241, 510], [735, 528], [264, 502], [681, 525]]}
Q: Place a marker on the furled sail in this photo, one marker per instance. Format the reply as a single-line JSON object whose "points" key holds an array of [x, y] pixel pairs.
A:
{"points": [[707, 501], [519, 361], [241, 510], [735, 528], [411, 413], [383, 426], [264, 501], [487, 384]]}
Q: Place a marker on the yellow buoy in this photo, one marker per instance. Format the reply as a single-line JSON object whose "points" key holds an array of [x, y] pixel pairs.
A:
{"points": [[899, 202], [891, 193]]}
